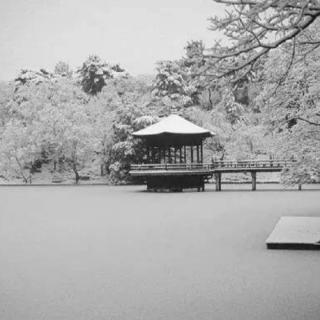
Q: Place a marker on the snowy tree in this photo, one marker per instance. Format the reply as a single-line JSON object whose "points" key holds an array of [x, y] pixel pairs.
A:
{"points": [[95, 73], [63, 69], [171, 82], [127, 149], [20, 147], [65, 128], [6, 96], [33, 77], [78, 144], [290, 105], [256, 27]]}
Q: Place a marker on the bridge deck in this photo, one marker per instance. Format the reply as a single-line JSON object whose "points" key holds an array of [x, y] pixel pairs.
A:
{"points": [[207, 170], [204, 168]]}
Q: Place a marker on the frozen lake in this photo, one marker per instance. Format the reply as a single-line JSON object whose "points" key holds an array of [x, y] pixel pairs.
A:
{"points": [[120, 253]]}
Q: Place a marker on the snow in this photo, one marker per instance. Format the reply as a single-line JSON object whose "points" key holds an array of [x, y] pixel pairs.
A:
{"points": [[303, 230], [173, 124], [122, 253]]}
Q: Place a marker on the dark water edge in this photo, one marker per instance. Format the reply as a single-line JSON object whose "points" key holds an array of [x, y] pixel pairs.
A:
{"points": [[226, 185]]}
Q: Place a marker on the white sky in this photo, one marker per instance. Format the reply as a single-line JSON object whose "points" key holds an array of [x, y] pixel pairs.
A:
{"points": [[134, 33]]}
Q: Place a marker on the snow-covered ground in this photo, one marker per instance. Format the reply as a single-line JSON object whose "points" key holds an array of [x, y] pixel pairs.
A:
{"points": [[98, 252]]}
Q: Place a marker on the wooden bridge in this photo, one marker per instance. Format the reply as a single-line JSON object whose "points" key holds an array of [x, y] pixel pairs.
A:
{"points": [[208, 170]]}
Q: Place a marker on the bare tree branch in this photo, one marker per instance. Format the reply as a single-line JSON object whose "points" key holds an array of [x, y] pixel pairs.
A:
{"points": [[308, 121]]}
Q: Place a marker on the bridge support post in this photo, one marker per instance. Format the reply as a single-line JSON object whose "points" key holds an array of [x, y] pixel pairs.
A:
{"points": [[254, 180], [218, 181]]}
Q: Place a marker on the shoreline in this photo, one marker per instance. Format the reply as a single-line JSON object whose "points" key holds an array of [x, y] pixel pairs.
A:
{"points": [[132, 184]]}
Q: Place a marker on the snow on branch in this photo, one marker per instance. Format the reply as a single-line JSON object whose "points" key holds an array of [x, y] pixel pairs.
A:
{"points": [[254, 27]]}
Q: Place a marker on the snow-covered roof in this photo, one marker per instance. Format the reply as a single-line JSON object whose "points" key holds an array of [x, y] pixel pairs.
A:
{"points": [[173, 124]]}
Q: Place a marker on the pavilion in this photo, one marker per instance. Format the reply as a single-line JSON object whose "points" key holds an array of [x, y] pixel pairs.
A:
{"points": [[174, 155]]}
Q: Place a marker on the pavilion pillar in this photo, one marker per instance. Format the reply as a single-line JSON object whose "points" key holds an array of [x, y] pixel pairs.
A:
{"points": [[198, 154], [152, 154], [148, 154], [191, 149], [175, 154], [180, 154], [164, 154], [169, 154], [185, 154], [201, 150]]}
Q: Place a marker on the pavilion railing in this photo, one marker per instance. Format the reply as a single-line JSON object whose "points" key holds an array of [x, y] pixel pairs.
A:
{"points": [[172, 166], [243, 164]]}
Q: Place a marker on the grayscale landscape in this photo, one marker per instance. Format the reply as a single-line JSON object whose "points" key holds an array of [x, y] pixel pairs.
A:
{"points": [[159, 160]]}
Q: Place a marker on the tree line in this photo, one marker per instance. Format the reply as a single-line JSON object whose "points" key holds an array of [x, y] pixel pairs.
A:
{"points": [[260, 95]]}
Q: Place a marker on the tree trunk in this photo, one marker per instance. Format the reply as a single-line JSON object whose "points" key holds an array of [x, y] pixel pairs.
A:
{"points": [[77, 176], [210, 98]]}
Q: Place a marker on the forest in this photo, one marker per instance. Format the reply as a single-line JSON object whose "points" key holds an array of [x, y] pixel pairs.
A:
{"points": [[259, 92]]}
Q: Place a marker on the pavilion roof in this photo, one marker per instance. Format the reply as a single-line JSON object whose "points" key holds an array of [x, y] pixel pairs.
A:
{"points": [[173, 124]]}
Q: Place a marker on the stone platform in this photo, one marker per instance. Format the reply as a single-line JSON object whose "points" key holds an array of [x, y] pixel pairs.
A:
{"points": [[299, 233]]}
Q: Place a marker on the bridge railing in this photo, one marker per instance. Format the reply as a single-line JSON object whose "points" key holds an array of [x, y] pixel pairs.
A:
{"points": [[214, 165], [252, 164]]}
